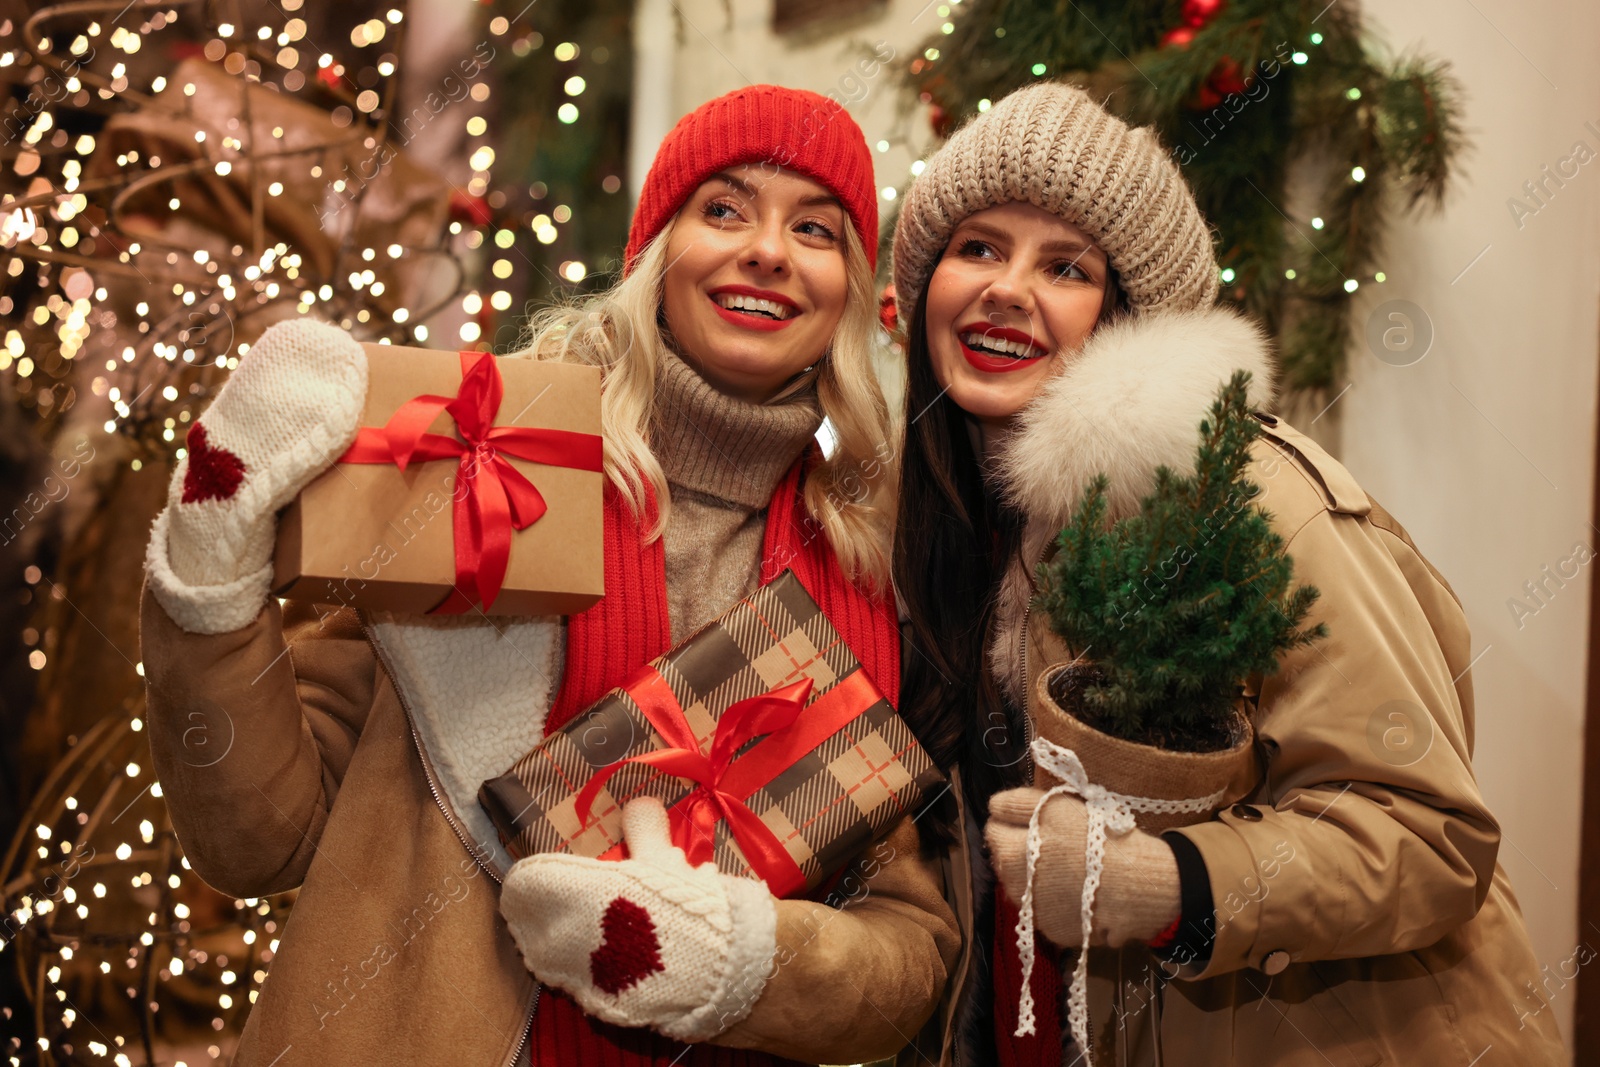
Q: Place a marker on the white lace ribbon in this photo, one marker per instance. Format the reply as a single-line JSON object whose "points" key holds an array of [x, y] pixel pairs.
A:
{"points": [[1108, 812]]}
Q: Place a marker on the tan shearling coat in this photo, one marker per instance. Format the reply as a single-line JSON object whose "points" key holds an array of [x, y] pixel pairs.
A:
{"points": [[1361, 916], [341, 754]]}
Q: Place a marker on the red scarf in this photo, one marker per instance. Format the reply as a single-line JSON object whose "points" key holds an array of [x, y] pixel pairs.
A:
{"points": [[630, 626]]}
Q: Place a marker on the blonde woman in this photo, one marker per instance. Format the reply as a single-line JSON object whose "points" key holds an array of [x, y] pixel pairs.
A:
{"points": [[354, 761]]}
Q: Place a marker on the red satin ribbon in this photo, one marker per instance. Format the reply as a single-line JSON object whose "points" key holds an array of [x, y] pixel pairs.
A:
{"points": [[722, 786], [497, 498]]}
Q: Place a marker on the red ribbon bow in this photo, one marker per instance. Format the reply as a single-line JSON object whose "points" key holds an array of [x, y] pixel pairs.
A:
{"points": [[497, 498], [723, 786], [694, 819]]}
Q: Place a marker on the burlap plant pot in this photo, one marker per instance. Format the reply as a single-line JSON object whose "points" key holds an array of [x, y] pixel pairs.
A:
{"points": [[1139, 770], [1121, 782]]}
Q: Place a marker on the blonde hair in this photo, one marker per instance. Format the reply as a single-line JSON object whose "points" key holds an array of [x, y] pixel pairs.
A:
{"points": [[618, 331]]}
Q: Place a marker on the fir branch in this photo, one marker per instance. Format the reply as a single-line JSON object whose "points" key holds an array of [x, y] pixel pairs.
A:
{"points": [[1179, 609], [1401, 128]]}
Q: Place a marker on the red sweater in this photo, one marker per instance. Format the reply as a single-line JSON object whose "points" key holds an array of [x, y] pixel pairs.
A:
{"points": [[630, 626]]}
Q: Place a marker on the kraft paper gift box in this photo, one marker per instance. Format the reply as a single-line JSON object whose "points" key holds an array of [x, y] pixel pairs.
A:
{"points": [[474, 480], [701, 728]]}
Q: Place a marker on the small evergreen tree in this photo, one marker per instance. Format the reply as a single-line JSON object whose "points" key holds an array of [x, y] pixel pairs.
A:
{"points": [[1175, 606]]}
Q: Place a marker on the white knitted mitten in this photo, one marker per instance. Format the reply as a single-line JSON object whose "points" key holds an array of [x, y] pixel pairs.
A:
{"points": [[284, 416], [1139, 893], [645, 941]]}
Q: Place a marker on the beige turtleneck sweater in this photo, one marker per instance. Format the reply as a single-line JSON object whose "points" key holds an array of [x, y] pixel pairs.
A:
{"points": [[723, 457]]}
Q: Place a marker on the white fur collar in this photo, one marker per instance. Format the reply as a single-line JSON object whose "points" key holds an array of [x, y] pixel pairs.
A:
{"points": [[1130, 401], [478, 690]]}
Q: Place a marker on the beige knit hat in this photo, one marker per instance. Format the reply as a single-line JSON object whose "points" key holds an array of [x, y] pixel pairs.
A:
{"points": [[1050, 145]]}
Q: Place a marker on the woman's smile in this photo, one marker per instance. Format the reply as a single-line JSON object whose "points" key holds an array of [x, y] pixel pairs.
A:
{"points": [[754, 309], [998, 349], [1015, 288], [756, 282]]}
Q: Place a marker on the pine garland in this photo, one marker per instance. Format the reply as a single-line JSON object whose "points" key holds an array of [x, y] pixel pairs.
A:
{"points": [[1178, 604], [1314, 94]]}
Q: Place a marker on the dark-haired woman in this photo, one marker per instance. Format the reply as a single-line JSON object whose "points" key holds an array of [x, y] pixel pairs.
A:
{"points": [[1058, 285]]}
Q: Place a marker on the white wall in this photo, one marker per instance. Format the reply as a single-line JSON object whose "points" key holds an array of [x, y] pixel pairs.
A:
{"points": [[1484, 448]]}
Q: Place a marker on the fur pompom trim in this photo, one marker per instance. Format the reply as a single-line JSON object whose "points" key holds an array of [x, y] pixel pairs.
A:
{"points": [[1129, 402]]}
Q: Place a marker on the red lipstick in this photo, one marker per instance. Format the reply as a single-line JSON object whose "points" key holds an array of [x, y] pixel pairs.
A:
{"points": [[752, 322], [996, 364]]}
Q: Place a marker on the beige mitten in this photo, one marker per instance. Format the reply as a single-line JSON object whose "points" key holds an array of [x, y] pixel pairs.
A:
{"points": [[283, 418], [1139, 893]]}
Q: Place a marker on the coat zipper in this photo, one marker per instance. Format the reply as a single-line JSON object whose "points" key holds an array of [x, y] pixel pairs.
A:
{"points": [[444, 809], [527, 1031], [422, 753]]}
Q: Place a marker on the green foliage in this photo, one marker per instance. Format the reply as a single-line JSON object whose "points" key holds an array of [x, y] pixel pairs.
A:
{"points": [[1401, 127], [543, 163], [1178, 604]]}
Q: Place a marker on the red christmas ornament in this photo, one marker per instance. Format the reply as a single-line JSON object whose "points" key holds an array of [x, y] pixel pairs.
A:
{"points": [[1197, 13], [1226, 78], [467, 208], [1204, 99], [939, 119], [1177, 38], [888, 317]]}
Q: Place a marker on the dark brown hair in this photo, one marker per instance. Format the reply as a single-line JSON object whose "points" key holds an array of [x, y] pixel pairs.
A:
{"points": [[953, 541]]}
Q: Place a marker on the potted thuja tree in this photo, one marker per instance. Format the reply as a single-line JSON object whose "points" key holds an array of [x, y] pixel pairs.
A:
{"points": [[1168, 611], [1158, 620]]}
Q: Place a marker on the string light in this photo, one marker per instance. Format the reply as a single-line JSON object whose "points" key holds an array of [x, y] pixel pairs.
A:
{"points": [[145, 332]]}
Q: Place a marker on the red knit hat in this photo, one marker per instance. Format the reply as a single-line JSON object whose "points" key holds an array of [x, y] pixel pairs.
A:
{"points": [[792, 128]]}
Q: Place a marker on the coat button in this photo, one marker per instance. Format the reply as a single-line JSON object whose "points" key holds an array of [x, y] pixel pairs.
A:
{"points": [[1270, 420], [1246, 812], [1275, 962]]}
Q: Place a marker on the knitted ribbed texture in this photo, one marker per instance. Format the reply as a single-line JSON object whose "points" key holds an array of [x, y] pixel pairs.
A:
{"points": [[283, 417], [1042, 1048], [791, 128], [723, 446], [628, 626], [563, 1036], [1052, 146], [722, 457]]}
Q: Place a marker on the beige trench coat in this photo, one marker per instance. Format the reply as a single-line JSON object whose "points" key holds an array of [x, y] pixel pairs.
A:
{"points": [[1361, 915]]}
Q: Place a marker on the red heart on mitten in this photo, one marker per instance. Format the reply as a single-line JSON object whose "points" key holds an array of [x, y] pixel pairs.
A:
{"points": [[628, 952], [214, 473]]}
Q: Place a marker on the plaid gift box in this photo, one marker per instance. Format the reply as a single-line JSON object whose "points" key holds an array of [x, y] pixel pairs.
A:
{"points": [[774, 753]]}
